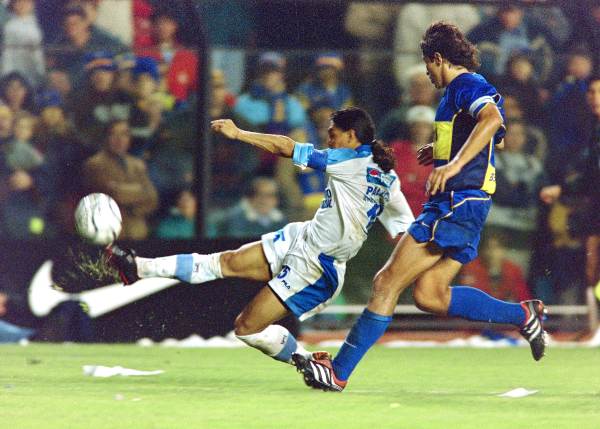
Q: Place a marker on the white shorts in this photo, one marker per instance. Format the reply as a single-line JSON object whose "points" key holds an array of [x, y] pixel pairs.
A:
{"points": [[305, 280]]}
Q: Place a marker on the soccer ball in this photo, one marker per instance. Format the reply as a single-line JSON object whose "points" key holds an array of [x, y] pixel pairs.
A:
{"points": [[98, 219]]}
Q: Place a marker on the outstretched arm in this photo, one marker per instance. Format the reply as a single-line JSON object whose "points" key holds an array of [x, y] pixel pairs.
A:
{"points": [[279, 145]]}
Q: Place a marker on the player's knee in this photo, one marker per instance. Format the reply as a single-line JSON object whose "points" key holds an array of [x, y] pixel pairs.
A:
{"points": [[243, 326], [230, 265], [387, 282]]}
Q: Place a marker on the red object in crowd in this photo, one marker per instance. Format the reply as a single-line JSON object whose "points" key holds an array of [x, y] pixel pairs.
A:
{"points": [[413, 176], [142, 25], [511, 285]]}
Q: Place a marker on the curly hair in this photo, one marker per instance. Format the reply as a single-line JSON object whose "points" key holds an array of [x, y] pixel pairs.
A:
{"points": [[451, 44]]}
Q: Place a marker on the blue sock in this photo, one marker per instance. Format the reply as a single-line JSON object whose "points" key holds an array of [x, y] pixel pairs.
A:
{"points": [[473, 304], [290, 346], [184, 267], [366, 331]]}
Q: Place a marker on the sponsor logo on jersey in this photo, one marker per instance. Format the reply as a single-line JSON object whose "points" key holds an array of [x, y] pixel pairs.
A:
{"points": [[380, 178]]}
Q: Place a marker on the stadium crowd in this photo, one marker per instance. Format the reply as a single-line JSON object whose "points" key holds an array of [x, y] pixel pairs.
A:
{"points": [[100, 96]]}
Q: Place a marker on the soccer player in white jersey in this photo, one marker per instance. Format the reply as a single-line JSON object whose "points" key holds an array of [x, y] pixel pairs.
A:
{"points": [[303, 263]]}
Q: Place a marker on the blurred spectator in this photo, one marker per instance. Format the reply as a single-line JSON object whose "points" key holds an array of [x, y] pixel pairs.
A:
{"points": [[124, 177], [100, 102], [113, 17], [580, 183], [233, 163], [10, 333], [414, 18], [519, 177], [268, 108], [20, 153], [231, 28], [180, 223], [324, 87], [64, 154], [80, 37], [22, 43], [302, 189], [508, 32], [585, 16], [372, 25], [417, 91], [16, 93], [125, 64], [58, 79], [178, 65], [22, 205], [520, 81], [412, 175], [566, 108], [147, 109], [256, 214], [495, 274]]}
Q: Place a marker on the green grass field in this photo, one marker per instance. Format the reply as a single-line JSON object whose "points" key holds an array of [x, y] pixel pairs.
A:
{"points": [[43, 387]]}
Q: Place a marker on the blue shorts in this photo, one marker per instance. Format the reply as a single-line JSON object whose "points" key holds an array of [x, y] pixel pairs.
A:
{"points": [[453, 221]]}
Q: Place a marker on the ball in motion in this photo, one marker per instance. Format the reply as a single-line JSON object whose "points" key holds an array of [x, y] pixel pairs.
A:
{"points": [[98, 219]]}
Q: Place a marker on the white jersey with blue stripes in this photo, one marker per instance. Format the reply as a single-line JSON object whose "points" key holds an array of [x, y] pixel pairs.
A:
{"points": [[358, 193]]}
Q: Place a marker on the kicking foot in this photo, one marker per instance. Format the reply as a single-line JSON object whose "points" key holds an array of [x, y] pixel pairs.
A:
{"points": [[318, 374], [123, 260], [533, 328]]}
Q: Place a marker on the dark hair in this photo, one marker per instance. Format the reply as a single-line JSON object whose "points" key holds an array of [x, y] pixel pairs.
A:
{"points": [[29, 101], [451, 44], [360, 121]]}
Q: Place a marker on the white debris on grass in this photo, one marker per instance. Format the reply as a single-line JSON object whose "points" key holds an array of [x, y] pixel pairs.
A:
{"points": [[111, 371], [519, 392]]}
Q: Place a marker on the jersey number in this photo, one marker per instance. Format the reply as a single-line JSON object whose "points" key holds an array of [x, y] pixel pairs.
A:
{"points": [[373, 213]]}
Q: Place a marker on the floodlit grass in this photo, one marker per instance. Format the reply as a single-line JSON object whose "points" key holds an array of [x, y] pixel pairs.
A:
{"points": [[43, 387]]}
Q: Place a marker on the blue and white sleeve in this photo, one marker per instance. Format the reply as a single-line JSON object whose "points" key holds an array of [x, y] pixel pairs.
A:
{"points": [[474, 96], [397, 215], [305, 155]]}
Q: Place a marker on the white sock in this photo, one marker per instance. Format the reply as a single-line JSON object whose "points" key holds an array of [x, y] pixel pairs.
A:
{"points": [[156, 267], [275, 341], [191, 268]]}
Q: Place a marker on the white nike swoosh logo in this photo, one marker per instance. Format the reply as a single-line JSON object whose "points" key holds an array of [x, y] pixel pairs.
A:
{"points": [[43, 297]]}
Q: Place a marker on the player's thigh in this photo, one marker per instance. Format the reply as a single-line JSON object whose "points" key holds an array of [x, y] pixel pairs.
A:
{"points": [[432, 288], [264, 309], [249, 262], [407, 262]]}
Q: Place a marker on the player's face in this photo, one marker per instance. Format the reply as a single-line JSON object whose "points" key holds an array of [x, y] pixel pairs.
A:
{"points": [[337, 137], [434, 71], [593, 97]]}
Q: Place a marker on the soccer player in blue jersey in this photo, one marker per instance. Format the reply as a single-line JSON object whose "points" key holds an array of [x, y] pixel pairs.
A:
{"points": [[469, 125]]}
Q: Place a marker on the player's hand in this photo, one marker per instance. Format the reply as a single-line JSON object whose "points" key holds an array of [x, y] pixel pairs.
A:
{"points": [[225, 127], [425, 154], [436, 182], [549, 194]]}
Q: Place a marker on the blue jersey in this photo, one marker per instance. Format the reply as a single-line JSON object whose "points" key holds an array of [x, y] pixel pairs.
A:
{"points": [[455, 119]]}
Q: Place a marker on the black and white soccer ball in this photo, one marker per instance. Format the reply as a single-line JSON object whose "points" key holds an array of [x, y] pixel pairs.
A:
{"points": [[98, 219]]}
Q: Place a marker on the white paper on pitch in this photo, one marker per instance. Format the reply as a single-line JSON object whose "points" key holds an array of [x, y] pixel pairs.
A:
{"points": [[519, 392], [110, 371]]}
